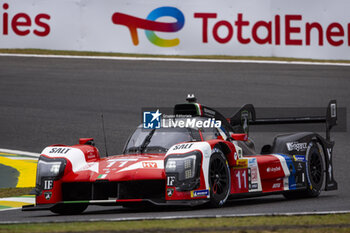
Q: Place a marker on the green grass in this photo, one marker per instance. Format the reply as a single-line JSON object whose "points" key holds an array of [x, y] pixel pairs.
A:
{"points": [[86, 53], [310, 223], [14, 192]]}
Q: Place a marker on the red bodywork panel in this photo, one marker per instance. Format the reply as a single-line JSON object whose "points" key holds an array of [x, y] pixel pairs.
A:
{"points": [[92, 168]]}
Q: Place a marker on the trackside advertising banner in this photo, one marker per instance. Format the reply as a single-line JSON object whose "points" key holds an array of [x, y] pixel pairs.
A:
{"points": [[318, 29]]}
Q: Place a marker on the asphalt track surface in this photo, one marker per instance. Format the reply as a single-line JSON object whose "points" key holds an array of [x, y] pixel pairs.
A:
{"points": [[47, 101]]}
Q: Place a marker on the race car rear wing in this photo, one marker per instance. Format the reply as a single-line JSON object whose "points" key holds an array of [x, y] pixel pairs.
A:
{"points": [[246, 115]]}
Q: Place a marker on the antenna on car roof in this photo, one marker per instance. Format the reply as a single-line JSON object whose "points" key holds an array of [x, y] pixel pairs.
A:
{"points": [[104, 134]]}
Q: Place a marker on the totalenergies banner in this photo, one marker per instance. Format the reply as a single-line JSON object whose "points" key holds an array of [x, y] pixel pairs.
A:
{"points": [[318, 29]]}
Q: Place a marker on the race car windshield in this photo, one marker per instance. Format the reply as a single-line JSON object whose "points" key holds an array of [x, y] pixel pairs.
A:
{"points": [[159, 140]]}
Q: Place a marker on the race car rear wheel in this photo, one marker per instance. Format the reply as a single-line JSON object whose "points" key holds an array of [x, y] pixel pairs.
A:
{"points": [[314, 173], [219, 179], [315, 170], [65, 209]]}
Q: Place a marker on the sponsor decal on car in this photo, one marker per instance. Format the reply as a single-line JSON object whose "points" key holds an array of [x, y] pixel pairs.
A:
{"points": [[295, 146], [91, 154], [329, 153], [182, 146], [333, 110], [48, 195], [242, 163], [170, 180], [59, 150], [200, 193], [252, 162], [254, 174], [209, 112], [273, 169], [149, 165], [170, 192], [300, 158], [299, 167], [48, 184]]}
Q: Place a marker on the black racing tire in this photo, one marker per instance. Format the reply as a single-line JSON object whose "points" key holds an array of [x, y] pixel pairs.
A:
{"points": [[314, 174], [219, 179], [315, 170], [65, 209]]}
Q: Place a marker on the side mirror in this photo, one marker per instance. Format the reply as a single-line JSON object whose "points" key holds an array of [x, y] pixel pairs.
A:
{"points": [[242, 118], [239, 136], [86, 141]]}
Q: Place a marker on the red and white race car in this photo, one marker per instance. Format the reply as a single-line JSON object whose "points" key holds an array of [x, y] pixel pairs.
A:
{"points": [[193, 164]]}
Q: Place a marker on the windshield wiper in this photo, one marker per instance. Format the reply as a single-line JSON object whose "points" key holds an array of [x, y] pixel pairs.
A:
{"points": [[132, 149], [157, 149], [146, 141]]}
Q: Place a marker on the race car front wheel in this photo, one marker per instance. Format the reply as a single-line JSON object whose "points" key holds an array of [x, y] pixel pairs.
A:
{"points": [[219, 179]]}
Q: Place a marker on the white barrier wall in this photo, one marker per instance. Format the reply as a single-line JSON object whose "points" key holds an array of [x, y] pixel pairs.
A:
{"points": [[317, 29]]}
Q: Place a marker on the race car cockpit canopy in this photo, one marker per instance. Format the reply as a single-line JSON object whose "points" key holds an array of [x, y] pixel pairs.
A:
{"points": [[161, 139]]}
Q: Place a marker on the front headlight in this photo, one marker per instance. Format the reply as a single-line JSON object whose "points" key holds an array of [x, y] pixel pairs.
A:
{"points": [[49, 168], [183, 170], [185, 167]]}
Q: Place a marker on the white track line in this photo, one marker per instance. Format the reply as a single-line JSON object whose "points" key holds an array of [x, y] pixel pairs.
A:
{"points": [[180, 217], [30, 200], [19, 152], [224, 216], [176, 59], [16, 208]]}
